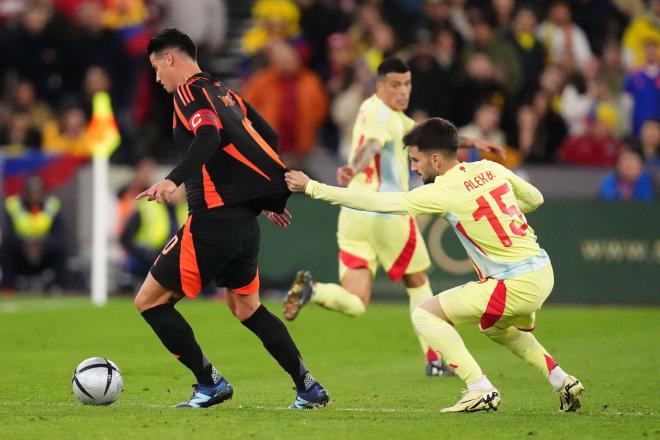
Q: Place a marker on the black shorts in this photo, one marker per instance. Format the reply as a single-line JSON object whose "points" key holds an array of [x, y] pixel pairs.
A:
{"points": [[208, 248]]}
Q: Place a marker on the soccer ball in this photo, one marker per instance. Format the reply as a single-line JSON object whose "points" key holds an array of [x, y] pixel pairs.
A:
{"points": [[97, 381]]}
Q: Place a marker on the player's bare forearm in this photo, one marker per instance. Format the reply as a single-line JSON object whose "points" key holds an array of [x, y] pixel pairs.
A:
{"points": [[365, 154]]}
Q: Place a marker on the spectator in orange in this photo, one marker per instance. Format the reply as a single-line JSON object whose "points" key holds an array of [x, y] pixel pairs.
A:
{"points": [[291, 98]]}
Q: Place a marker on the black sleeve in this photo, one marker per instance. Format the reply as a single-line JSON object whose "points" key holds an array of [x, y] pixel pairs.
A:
{"points": [[201, 149], [262, 126], [197, 115]]}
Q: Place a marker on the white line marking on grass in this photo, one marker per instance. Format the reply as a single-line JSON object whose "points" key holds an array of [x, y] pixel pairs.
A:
{"points": [[331, 407]]}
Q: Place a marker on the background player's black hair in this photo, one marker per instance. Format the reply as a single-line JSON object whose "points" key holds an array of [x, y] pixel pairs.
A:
{"points": [[434, 134], [172, 38], [392, 65]]}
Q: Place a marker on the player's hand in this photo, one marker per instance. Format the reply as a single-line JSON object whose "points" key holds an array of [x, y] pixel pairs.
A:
{"points": [[296, 181], [281, 220], [345, 174], [160, 192], [488, 147]]}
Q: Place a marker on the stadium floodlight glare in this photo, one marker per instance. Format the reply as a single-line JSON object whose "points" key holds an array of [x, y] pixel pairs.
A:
{"points": [[105, 139]]}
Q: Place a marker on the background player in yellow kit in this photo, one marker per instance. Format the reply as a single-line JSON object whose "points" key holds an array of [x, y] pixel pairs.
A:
{"points": [[484, 203], [377, 162]]}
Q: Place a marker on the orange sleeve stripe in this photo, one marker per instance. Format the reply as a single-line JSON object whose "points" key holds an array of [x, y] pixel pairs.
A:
{"points": [[211, 196], [208, 98], [251, 288], [186, 90], [180, 115], [233, 152], [262, 143], [192, 80], [181, 97], [191, 281]]}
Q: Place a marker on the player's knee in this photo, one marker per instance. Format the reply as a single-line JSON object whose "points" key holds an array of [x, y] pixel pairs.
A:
{"points": [[496, 334], [142, 303], [430, 308], [420, 317], [416, 279], [242, 310]]}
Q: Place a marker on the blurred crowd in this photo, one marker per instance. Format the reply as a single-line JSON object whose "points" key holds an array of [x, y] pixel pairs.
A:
{"points": [[571, 82], [556, 81]]}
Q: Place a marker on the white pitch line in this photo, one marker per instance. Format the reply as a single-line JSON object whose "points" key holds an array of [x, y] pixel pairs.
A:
{"points": [[259, 407], [333, 408]]}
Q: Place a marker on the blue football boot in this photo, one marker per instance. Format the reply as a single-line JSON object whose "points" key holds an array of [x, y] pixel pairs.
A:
{"points": [[207, 395], [314, 397]]}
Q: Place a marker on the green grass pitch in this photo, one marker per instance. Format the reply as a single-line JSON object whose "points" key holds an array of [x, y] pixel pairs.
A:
{"points": [[372, 367]]}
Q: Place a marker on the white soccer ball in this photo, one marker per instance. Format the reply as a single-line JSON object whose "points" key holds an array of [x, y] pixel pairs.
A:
{"points": [[97, 381]]}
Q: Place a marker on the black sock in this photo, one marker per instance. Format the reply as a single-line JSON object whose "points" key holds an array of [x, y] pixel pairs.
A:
{"points": [[177, 336], [278, 342]]}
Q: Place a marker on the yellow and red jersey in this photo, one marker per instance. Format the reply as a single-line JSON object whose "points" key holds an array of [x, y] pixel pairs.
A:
{"points": [[484, 203], [388, 170]]}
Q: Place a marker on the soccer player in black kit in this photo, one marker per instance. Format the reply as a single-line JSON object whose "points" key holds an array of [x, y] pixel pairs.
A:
{"points": [[232, 172]]}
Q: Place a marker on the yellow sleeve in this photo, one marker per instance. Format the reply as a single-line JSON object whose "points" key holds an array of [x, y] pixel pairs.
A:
{"points": [[528, 196], [427, 199], [364, 200]]}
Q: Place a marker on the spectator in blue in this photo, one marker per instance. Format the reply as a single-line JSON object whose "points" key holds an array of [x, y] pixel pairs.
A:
{"points": [[644, 87], [629, 181]]}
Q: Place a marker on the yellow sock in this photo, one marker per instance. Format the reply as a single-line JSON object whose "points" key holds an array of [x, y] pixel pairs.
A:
{"points": [[525, 346], [445, 339], [335, 297], [416, 296]]}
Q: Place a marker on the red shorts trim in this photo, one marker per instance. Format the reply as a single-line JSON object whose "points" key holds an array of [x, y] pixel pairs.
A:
{"points": [[402, 262], [352, 261], [495, 307]]}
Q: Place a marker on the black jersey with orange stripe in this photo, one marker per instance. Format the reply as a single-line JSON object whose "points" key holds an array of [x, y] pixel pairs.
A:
{"points": [[228, 151]]}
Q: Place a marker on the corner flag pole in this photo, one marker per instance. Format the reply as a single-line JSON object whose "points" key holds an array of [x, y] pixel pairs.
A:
{"points": [[104, 139]]}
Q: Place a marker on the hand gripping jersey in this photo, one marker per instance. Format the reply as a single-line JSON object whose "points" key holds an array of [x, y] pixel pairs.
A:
{"points": [[229, 152]]}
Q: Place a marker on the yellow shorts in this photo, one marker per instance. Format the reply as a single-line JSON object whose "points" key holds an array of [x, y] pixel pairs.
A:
{"points": [[499, 303], [393, 242]]}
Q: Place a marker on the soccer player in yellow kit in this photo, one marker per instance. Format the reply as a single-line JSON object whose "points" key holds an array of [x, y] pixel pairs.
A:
{"points": [[377, 162], [485, 205]]}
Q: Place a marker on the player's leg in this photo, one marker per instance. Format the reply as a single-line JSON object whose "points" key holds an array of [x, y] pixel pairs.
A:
{"points": [[244, 303], [357, 267], [525, 295], [419, 290], [155, 301], [434, 319], [156, 304]]}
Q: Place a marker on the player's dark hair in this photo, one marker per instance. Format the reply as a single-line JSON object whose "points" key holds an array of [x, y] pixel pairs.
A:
{"points": [[392, 65], [172, 38], [434, 134]]}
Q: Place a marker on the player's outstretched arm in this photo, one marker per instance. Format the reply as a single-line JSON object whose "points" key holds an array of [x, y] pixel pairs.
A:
{"points": [[364, 200]]}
